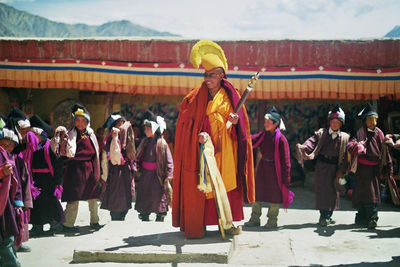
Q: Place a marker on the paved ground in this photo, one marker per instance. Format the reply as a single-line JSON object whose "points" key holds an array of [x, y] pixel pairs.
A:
{"points": [[297, 242]]}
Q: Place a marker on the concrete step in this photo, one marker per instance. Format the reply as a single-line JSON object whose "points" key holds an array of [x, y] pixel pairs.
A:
{"points": [[154, 242]]}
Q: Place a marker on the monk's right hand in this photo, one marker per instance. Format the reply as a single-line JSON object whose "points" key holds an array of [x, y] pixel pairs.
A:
{"points": [[203, 136]]}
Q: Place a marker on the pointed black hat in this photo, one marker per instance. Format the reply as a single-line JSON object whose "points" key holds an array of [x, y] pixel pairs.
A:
{"points": [[37, 122], [149, 115], [7, 130], [368, 110], [273, 114], [113, 119], [18, 117]]}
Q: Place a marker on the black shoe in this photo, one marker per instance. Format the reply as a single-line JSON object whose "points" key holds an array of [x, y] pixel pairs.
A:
{"points": [[36, 231], [57, 227], [24, 248], [372, 224], [323, 222], [72, 229], [144, 218], [117, 217], [360, 222], [160, 218], [96, 226]]}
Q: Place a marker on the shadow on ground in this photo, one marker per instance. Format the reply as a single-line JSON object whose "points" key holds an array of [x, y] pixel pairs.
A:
{"points": [[170, 238], [304, 199], [81, 230], [330, 230]]}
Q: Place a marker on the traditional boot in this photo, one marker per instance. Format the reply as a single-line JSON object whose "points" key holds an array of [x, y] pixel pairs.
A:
{"points": [[273, 211], [234, 230], [255, 215]]}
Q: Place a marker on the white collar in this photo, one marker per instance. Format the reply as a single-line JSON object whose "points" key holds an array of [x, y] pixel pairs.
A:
{"points": [[333, 133]]}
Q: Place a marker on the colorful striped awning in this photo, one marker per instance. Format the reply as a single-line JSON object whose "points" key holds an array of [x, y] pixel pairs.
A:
{"points": [[316, 82]]}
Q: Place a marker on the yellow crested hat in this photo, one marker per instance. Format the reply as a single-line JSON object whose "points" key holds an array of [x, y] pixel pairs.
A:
{"points": [[208, 54]]}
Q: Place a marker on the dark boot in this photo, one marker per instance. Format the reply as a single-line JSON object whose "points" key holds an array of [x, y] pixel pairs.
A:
{"points": [[160, 218], [37, 230], [372, 224], [24, 248], [67, 229], [123, 215], [7, 254], [96, 226], [115, 216], [371, 214], [56, 227], [144, 217], [325, 218]]}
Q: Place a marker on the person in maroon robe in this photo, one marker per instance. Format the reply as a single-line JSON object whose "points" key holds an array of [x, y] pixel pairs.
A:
{"points": [[273, 170], [328, 147], [47, 172], [23, 217], [370, 162], [82, 176], [10, 197], [120, 147], [156, 170], [17, 121], [21, 125]]}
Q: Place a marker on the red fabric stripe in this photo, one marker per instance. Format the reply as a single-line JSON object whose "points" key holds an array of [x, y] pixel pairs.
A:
{"points": [[236, 203]]}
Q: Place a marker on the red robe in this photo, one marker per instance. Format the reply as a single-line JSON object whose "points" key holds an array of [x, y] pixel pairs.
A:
{"points": [[188, 203]]}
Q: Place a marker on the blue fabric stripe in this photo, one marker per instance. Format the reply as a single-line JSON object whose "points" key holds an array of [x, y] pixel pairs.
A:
{"points": [[18, 203], [192, 74]]}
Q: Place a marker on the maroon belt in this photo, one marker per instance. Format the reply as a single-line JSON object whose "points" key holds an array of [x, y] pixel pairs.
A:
{"points": [[364, 161], [82, 158], [151, 166], [41, 170]]}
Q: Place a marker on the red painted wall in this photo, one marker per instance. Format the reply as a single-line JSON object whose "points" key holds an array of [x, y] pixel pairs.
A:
{"points": [[279, 53]]}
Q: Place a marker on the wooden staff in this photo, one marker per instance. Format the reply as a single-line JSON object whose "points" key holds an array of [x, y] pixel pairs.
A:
{"points": [[246, 93]]}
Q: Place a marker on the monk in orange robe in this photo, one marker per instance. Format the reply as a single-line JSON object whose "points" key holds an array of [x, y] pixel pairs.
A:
{"points": [[203, 114]]}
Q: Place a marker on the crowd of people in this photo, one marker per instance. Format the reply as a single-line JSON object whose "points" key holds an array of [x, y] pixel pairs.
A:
{"points": [[40, 168]]}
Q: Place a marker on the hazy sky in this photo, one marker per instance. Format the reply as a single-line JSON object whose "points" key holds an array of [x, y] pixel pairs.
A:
{"points": [[231, 19]]}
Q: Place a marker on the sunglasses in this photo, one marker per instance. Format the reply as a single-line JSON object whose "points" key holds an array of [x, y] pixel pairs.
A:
{"points": [[210, 75]]}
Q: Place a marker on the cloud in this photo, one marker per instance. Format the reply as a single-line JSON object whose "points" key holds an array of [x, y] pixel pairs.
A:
{"points": [[14, 1], [232, 19], [364, 10]]}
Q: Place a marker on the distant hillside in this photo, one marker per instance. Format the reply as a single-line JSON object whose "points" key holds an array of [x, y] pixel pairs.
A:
{"points": [[16, 23], [395, 32]]}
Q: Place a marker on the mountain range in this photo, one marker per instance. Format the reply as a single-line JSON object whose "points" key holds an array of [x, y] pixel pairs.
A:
{"points": [[395, 32], [16, 23]]}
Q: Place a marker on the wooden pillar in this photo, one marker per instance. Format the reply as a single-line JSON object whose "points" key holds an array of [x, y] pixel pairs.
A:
{"points": [[109, 105], [262, 104]]}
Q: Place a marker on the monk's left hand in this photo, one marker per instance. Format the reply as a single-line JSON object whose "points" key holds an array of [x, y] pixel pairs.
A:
{"points": [[233, 118]]}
